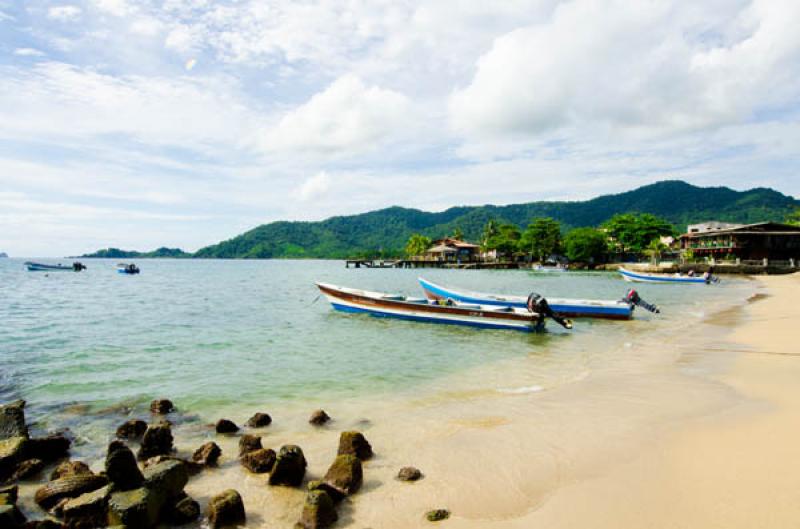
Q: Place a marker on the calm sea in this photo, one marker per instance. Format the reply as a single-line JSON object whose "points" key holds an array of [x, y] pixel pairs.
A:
{"points": [[218, 335]]}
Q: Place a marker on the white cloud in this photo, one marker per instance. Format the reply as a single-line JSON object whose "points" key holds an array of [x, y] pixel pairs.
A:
{"points": [[651, 67], [146, 26], [315, 187], [28, 52], [348, 116], [64, 13], [118, 8]]}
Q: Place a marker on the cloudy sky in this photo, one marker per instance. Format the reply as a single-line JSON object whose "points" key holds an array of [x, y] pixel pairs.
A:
{"points": [[145, 123]]}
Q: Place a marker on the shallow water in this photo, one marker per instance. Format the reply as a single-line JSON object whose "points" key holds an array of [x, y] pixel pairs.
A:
{"points": [[214, 334]]}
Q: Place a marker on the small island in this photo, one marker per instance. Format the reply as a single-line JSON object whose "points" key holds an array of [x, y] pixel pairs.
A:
{"points": [[116, 253], [3, 255]]}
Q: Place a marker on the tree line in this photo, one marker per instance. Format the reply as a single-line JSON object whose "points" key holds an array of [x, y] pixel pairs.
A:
{"points": [[626, 233]]}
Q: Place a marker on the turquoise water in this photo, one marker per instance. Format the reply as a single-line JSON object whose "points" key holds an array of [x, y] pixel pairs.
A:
{"points": [[214, 334]]}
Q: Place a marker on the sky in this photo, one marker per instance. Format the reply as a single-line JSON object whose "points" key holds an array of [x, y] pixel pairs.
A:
{"points": [[139, 124]]}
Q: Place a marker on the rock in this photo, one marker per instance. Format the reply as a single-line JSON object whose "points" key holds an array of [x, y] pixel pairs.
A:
{"points": [[132, 429], [166, 478], [49, 494], [50, 448], [354, 443], [319, 417], [345, 474], [121, 467], [12, 420], [192, 467], [156, 441], [181, 511], [409, 474], [437, 515], [87, 511], [318, 484], [134, 508], [248, 443], [226, 510], [259, 461], [226, 426], [318, 511], [12, 451], [27, 469], [11, 517], [259, 420], [70, 468], [11, 491], [162, 406], [289, 468], [207, 455], [43, 524]]}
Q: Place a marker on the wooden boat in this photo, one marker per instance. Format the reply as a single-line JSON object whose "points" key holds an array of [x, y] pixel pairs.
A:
{"points": [[42, 267], [638, 277], [420, 309], [572, 308], [131, 269]]}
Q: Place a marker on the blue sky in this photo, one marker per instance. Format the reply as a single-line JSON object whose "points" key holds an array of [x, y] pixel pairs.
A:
{"points": [[185, 122]]}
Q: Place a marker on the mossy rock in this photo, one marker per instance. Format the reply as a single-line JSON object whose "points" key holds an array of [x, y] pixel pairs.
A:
{"points": [[134, 508], [437, 515], [319, 511], [354, 443], [226, 510], [345, 474]]}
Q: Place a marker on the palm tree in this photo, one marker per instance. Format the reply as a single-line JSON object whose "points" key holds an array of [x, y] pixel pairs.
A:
{"points": [[489, 231], [655, 249], [417, 244]]}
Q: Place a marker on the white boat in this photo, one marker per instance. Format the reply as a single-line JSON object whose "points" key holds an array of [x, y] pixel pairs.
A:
{"points": [[639, 277]]}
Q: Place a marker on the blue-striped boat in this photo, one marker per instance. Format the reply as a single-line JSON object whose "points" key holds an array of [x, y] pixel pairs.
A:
{"points": [[383, 305], [572, 308], [42, 267], [638, 277]]}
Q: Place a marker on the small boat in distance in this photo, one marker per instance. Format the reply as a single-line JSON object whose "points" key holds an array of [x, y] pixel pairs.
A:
{"points": [[383, 305], [131, 269], [572, 308], [42, 267], [629, 275]]}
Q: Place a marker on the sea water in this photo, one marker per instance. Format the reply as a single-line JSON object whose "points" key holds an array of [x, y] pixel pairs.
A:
{"points": [[211, 334]]}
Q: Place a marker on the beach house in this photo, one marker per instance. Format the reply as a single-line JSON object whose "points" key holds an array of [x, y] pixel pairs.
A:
{"points": [[453, 250], [745, 242]]}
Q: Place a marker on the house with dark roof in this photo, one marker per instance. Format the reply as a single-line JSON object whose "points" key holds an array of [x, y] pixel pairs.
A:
{"points": [[765, 240]]}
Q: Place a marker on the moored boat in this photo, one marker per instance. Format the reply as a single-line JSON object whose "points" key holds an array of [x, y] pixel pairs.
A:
{"points": [[450, 312], [42, 267], [639, 277], [573, 308], [123, 268]]}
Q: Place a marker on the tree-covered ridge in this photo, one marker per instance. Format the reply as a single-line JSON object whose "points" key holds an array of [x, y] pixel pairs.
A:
{"points": [[386, 232], [116, 253]]}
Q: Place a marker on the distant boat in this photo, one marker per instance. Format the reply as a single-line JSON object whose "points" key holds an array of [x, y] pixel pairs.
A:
{"points": [[41, 267], [129, 269], [383, 305], [573, 308], [666, 278], [557, 268]]}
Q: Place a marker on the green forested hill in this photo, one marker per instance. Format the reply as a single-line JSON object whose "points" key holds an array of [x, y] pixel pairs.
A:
{"points": [[387, 230], [116, 253]]}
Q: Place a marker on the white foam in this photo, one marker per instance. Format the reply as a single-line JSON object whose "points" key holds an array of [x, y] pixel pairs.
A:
{"points": [[520, 390]]}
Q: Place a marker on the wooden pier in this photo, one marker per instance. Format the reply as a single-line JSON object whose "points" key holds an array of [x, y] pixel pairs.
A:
{"points": [[431, 263]]}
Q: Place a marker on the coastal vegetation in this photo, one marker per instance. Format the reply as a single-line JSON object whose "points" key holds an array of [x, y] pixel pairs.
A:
{"points": [[386, 232], [116, 253]]}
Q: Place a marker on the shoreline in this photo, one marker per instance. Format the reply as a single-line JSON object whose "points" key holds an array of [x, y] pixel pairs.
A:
{"points": [[501, 453]]}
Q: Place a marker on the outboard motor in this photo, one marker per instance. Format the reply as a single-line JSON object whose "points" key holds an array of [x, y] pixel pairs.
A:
{"points": [[632, 298], [78, 266], [538, 304]]}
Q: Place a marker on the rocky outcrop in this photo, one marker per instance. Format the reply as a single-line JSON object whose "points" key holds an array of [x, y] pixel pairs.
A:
{"points": [[121, 468], [259, 461], [156, 441], [226, 510], [318, 511], [134, 508], [132, 429], [354, 443], [11, 517], [207, 454], [226, 426], [162, 406], [345, 475], [27, 469], [248, 443], [437, 515], [12, 420], [13, 451], [51, 493], [259, 420], [9, 494], [49, 448], [289, 468], [409, 474], [167, 478], [181, 511], [319, 417]]}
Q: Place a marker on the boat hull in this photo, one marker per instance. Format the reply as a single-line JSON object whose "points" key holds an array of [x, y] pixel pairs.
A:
{"points": [[38, 267], [652, 278], [571, 308], [359, 302]]}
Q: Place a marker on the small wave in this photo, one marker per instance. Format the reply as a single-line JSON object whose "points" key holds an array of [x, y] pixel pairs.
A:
{"points": [[520, 390]]}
